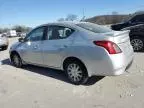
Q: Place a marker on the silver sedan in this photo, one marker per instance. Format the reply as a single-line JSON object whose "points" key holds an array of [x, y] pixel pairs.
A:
{"points": [[81, 49]]}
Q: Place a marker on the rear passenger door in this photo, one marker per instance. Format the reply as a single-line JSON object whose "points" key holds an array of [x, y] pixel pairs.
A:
{"points": [[58, 39]]}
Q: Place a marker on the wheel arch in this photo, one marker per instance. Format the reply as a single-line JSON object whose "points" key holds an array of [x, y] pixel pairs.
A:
{"points": [[141, 38], [72, 58], [14, 52]]}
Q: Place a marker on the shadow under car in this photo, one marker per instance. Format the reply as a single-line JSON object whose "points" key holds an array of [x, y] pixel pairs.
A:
{"points": [[53, 73]]}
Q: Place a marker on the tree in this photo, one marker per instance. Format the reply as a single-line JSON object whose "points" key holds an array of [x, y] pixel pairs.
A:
{"points": [[71, 17], [4, 30], [28, 29], [61, 19], [19, 28], [1, 31]]}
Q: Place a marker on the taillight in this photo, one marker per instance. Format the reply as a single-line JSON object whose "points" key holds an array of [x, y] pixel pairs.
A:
{"points": [[111, 47]]}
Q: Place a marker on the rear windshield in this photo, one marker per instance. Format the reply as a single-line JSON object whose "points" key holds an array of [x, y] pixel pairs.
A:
{"points": [[94, 27]]}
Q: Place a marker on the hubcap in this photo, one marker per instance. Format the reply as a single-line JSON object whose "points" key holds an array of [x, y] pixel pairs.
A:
{"points": [[137, 44], [74, 72]]}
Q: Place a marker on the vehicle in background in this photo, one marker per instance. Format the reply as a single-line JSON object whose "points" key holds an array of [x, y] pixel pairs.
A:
{"points": [[136, 27], [21, 34], [3, 42], [81, 49], [12, 33], [136, 19], [137, 37], [3, 34]]}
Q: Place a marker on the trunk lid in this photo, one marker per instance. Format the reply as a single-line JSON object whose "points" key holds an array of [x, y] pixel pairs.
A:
{"points": [[121, 38]]}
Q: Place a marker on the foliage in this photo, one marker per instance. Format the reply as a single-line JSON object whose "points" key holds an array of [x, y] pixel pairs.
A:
{"points": [[18, 28], [70, 17], [61, 19], [3, 30]]}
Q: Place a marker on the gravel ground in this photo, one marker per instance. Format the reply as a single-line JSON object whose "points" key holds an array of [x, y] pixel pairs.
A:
{"points": [[37, 87]]}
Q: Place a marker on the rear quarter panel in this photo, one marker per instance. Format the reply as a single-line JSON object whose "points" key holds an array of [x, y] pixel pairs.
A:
{"points": [[91, 55]]}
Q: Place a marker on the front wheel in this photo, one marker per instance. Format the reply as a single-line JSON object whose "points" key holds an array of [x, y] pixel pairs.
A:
{"points": [[137, 43], [76, 72], [16, 60]]}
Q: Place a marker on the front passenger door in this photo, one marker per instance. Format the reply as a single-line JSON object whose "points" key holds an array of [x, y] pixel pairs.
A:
{"points": [[32, 51]]}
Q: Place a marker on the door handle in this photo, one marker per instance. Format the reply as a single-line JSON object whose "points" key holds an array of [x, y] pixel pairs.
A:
{"points": [[65, 46]]}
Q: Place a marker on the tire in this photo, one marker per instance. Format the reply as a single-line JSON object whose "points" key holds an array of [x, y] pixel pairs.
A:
{"points": [[76, 72], [4, 47], [137, 43], [16, 60]]}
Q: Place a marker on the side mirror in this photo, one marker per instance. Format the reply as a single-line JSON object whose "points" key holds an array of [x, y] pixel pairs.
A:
{"points": [[21, 39]]}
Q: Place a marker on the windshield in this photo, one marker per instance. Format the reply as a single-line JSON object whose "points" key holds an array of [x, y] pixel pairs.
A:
{"points": [[94, 27]]}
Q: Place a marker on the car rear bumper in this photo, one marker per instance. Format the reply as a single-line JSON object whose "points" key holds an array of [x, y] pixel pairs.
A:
{"points": [[112, 66], [121, 70], [129, 65]]}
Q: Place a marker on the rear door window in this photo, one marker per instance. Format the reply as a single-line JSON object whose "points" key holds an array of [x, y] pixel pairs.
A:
{"points": [[58, 32]]}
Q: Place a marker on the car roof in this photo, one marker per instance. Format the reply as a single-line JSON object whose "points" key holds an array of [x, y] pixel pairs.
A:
{"points": [[139, 13], [71, 24], [136, 14]]}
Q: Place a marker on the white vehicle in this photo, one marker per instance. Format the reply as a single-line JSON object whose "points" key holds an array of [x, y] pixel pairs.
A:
{"points": [[3, 42], [12, 33]]}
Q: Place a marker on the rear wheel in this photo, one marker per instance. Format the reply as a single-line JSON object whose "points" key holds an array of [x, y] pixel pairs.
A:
{"points": [[76, 72], [16, 60], [137, 43]]}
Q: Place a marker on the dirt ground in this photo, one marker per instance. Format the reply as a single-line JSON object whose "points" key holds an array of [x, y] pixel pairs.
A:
{"points": [[37, 87]]}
